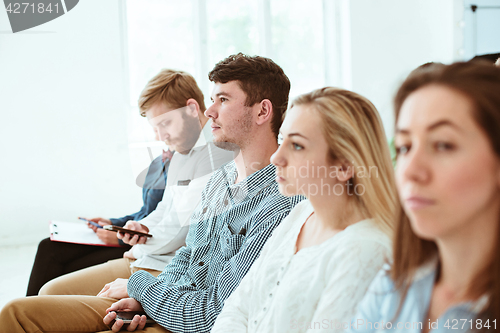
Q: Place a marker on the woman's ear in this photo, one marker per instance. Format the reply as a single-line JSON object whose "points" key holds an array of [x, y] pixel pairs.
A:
{"points": [[346, 171]]}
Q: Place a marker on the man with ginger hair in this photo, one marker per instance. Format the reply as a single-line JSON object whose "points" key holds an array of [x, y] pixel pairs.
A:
{"points": [[174, 106], [240, 207], [54, 259]]}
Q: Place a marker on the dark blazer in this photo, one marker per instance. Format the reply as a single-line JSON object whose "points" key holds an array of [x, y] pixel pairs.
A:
{"points": [[152, 180]]}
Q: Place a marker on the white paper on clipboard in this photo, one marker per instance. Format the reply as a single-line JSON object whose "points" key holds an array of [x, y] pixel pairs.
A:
{"points": [[74, 232]]}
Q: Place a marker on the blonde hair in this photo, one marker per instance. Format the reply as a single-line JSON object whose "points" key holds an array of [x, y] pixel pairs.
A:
{"points": [[354, 132], [171, 87]]}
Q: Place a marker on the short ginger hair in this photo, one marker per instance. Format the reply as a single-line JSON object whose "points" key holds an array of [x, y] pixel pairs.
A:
{"points": [[171, 87]]}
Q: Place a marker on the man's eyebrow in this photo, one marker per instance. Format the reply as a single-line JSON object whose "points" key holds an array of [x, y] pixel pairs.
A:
{"points": [[222, 93], [432, 127]]}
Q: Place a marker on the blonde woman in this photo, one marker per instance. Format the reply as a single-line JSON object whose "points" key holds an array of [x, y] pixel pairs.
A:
{"points": [[319, 262]]}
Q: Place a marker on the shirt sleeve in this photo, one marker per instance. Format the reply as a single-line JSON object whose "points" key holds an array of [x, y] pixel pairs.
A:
{"points": [[183, 308], [149, 205], [155, 216], [209, 159], [234, 315], [170, 233], [368, 310], [353, 270], [122, 220], [152, 192]]}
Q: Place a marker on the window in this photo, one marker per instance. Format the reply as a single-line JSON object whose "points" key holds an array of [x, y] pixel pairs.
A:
{"points": [[194, 35], [481, 23], [297, 43]]}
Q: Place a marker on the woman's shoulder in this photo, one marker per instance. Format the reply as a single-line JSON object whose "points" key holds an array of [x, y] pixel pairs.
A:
{"points": [[303, 208], [297, 215], [295, 219], [382, 283], [367, 233]]}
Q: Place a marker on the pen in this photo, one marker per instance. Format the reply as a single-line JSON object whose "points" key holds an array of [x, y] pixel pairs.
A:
{"points": [[93, 223]]}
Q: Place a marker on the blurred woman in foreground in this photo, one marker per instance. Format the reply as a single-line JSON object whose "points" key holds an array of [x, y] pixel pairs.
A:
{"points": [[446, 271]]}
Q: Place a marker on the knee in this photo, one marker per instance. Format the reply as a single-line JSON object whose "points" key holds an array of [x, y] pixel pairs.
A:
{"points": [[45, 245], [10, 307], [11, 311], [53, 287]]}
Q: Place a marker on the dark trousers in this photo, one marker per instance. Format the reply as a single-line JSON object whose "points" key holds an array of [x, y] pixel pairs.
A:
{"points": [[54, 259]]}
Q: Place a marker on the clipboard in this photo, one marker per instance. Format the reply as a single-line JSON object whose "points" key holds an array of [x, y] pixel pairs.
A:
{"points": [[74, 232]]}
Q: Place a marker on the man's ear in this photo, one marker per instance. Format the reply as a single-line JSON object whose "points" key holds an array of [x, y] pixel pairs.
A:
{"points": [[346, 171], [193, 108], [265, 111]]}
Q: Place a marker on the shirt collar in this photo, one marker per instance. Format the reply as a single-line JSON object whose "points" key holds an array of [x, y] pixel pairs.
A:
{"points": [[425, 277], [166, 155], [205, 135], [427, 271], [204, 138], [480, 305], [253, 184]]}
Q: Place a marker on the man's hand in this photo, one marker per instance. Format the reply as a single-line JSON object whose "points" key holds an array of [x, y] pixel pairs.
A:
{"points": [[127, 304], [133, 225], [108, 237], [100, 220], [116, 289], [129, 255]]}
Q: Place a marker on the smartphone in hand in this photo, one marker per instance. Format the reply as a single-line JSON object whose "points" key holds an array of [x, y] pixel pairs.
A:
{"points": [[125, 231], [91, 222], [127, 316]]}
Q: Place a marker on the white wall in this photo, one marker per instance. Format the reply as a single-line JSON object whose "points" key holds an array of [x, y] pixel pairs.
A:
{"points": [[389, 38], [64, 101], [63, 122]]}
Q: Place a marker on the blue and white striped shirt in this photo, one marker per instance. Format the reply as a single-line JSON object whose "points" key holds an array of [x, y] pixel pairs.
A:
{"points": [[227, 232]]}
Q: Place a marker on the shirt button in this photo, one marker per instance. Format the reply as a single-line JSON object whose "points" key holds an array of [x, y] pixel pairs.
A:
{"points": [[271, 295], [227, 241], [225, 202], [255, 322], [278, 283], [264, 309], [204, 210], [200, 263], [282, 268]]}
